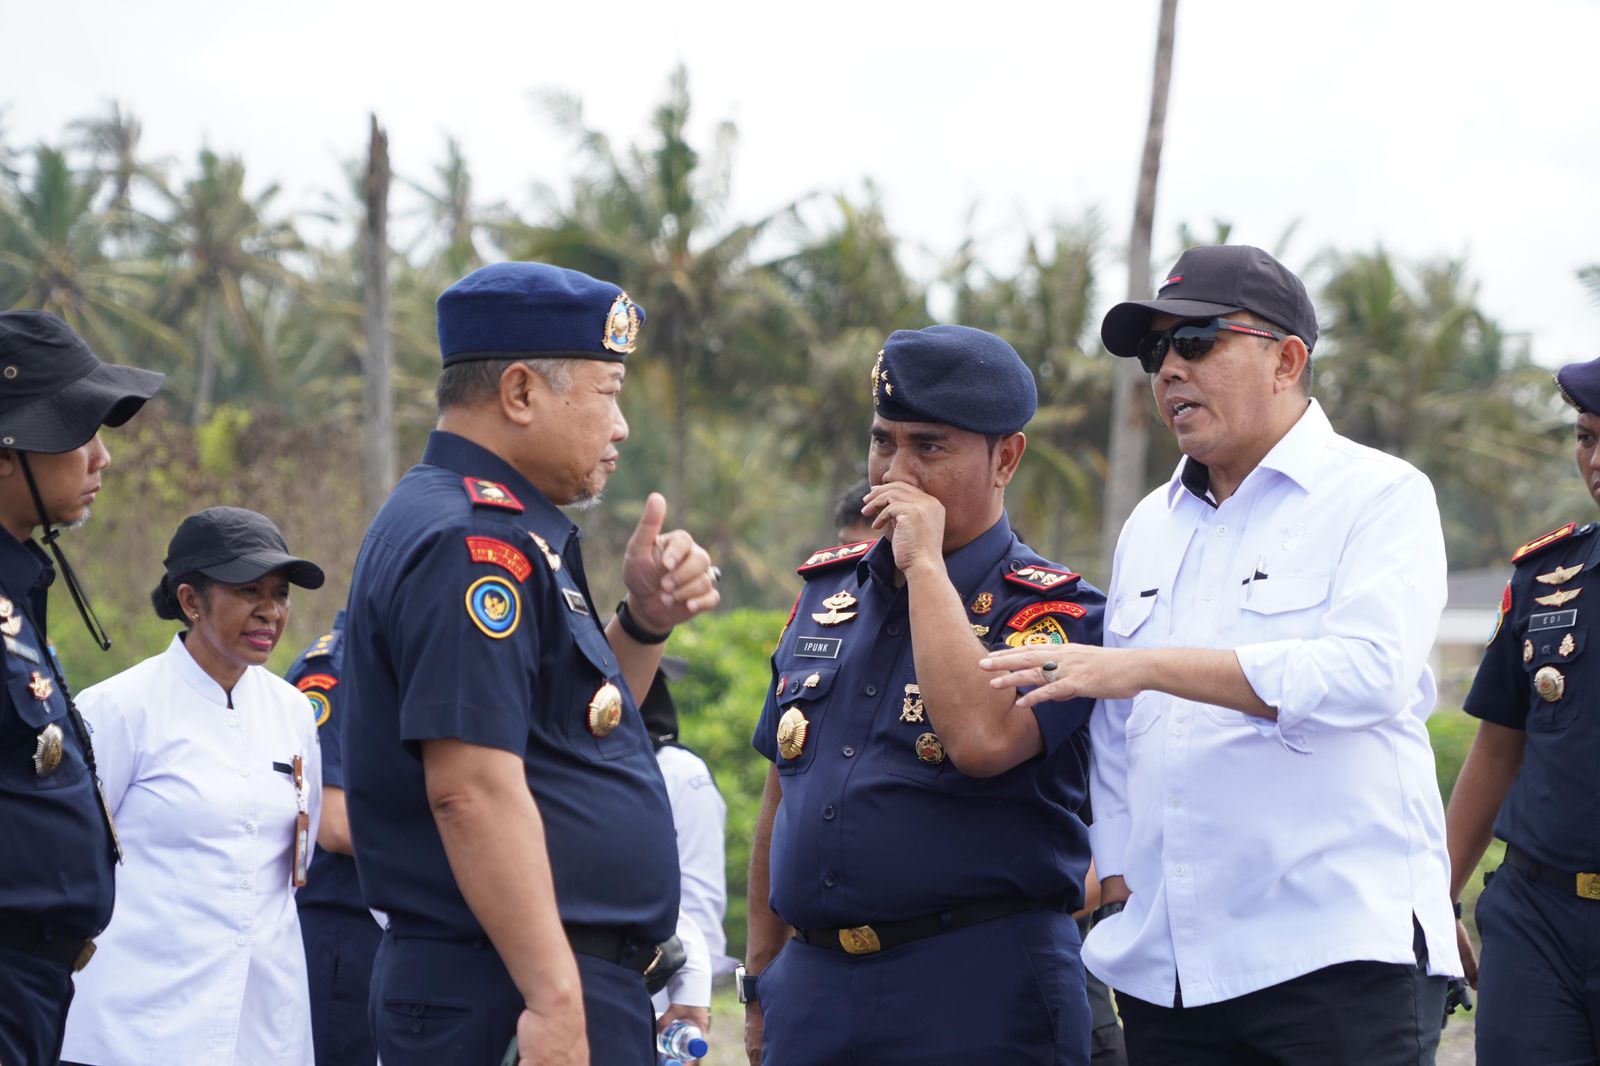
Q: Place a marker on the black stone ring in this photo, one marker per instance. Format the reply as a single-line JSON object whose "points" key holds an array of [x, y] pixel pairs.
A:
{"points": [[1049, 671], [716, 574]]}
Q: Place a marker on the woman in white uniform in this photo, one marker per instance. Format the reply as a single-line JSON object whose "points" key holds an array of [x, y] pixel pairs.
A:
{"points": [[211, 767]]}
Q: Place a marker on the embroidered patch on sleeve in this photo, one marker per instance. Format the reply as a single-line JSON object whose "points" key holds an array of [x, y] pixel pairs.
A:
{"points": [[501, 554]]}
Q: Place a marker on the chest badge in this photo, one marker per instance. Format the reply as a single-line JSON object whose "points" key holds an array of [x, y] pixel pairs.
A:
{"points": [[1560, 575], [1527, 651], [911, 706], [1044, 631], [984, 603], [10, 618], [605, 710], [812, 682], [792, 729], [1557, 599], [980, 631], [21, 650], [1568, 646], [930, 749], [1549, 684], [47, 750], [40, 686], [837, 612], [778, 692], [543, 545]]}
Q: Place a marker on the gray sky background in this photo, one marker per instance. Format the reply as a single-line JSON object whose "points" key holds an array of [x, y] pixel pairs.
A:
{"points": [[1465, 128]]}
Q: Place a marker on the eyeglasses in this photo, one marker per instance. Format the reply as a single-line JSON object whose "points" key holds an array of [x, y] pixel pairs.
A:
{"points": [[1191, 340]]}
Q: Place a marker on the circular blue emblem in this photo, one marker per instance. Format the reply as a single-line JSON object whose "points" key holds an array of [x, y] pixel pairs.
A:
{"points": [[494, 606]]}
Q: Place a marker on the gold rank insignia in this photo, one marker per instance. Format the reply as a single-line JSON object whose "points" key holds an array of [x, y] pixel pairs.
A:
{"points": [[984, 603], [1568, 646], [980, 631], [792, 728], [1527, 651], [1045, 631], [812, 682], [40, 686], [47, 750], [1549, 684], [911, 706], [1560, 575], [605, 710], [930, 749], [1556, 599], [622, 325], [543, 545], [836, 605]]}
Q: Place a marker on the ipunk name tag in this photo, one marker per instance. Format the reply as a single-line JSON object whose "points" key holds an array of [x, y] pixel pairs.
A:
{"points": [[818, 647]]}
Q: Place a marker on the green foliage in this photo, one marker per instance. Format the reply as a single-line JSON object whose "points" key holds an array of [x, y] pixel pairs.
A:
{"points": [[218, 437], [719, 700], [1452, 731]]}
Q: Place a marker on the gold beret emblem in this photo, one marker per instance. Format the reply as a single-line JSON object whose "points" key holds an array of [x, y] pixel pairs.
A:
{"points": [[622, 325]]}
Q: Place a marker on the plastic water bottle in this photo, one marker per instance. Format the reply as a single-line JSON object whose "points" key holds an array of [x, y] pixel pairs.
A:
{"points": [[680, 1040]]}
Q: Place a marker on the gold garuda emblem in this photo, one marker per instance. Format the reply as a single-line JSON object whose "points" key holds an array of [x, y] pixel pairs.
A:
{"points": [[836, 613]]}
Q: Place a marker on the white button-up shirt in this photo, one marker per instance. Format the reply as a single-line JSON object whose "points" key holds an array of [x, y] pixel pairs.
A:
{"points": [[202, 962], [1258, 851]]}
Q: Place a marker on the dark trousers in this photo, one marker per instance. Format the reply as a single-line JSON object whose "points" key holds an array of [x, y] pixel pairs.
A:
{"points": [[34, 996], [1539, 974], [340, 946], [1351, 1014], [1106, 1046], [451, 1003], [1004, 991]]}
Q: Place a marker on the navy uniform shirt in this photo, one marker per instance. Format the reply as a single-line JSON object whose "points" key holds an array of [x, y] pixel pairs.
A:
{"points": [[869, 830], [1552, 811], [469, 618], [331, 881], [55, 853]]}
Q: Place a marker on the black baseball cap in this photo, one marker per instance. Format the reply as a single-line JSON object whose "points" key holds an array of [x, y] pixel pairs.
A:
{"points": [[234, 545], [55, 393], [1211, 281]]}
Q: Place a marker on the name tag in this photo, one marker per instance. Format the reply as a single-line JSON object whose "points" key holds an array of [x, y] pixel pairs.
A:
{"points": [[575, 601], [1553, 620], [818, 647]]}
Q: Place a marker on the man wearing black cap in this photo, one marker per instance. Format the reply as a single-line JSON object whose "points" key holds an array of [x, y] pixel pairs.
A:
{"points": [[57, 846], [918, 855], [1529, 779], [506, 809], [1264, 794]]}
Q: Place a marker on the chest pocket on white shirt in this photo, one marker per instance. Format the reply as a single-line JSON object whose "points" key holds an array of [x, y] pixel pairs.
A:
{"points": [[1130, 614], [1279, 597]]}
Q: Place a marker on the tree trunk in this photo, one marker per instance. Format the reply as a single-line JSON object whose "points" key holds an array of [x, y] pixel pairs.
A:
{"points": [[206, 378], [378, 472], [1130, 406]]}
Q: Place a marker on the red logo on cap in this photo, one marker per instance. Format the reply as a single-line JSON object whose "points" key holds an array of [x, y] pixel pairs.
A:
{"points": [[1172, 280]]}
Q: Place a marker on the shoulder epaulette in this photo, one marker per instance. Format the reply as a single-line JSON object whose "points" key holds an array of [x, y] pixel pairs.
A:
{"points": [[1041, 578], [324, 645], [828, 558], [491, 494], [1555, 536]]}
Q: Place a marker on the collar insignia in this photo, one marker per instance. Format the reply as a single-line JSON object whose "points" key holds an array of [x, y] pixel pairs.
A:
{"points": [[491, 494]]}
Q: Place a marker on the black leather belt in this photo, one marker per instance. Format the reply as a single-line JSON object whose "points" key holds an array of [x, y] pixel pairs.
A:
{"points": [[883, 936], [1583, 885], [41, 941], [605, 942]]}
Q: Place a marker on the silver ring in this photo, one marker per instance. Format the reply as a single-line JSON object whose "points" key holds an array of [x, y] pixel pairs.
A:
{"points": [[1049, 671], [716, 574]]}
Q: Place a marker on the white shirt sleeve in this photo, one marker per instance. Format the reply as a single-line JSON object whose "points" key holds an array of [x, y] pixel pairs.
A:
{"points": [[1381, 619], [116, 749], [691, 985]]}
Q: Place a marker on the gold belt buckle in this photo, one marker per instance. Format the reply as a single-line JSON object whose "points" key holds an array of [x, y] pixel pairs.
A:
{"points": [[1589, 886], [861, 940], [83, 957]]}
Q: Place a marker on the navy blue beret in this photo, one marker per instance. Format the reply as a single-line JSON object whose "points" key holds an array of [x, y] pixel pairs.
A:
{"points": [[512, 310], [1579, 385], [956, 376]]}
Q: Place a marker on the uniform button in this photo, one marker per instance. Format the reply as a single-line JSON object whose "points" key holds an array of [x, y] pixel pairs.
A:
{"points": [[233, 722], [244, 773], [1208, 595], [1545, 650], [794, 686], [870, 689], [1177, 729], [416, 1027], [244, 882], [1176, 803], [848, 752], [830, 880], [241, 940], [1178, 870], [827, 813], [894, 629], [249, 827], [1222, 531]]}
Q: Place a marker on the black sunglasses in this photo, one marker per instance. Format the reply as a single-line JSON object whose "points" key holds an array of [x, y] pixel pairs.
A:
{"points": [[1191, 340]]}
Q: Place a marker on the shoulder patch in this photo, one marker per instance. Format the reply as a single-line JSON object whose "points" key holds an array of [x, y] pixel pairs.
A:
{"points": [[499, 553], [324, 645], [1045, 631], [1041, 578], [1500, 615], [1539, 544], [1033, 612], [830, 557], [494, 606], [322, 681], [316, 687], [491, 494]]}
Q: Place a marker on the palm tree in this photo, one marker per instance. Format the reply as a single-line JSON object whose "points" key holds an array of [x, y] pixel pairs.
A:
{"points": [[220, 242], [1590, 277], [112, 141]]}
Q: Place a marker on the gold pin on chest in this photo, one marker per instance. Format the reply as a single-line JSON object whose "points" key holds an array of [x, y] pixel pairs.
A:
{"points": [[911, 707], [837, 612]]}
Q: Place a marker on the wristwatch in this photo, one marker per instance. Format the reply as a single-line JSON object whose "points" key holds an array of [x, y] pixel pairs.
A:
{"points": [[1102, 913], [745, 985]]}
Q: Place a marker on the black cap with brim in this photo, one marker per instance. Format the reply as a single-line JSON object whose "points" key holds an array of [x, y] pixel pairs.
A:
{"points": [[245, 568], [68, 418], [235, 546], [1126, 323]]}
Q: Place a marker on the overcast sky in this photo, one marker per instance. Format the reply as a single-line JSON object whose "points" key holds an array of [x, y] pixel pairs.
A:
{"points": [[1462, 128]]}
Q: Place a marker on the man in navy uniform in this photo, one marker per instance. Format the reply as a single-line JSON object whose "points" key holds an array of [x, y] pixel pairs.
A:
{"points": [[1530, 777], [918, 854], [57, 846], [340, 934], [505, 804]]}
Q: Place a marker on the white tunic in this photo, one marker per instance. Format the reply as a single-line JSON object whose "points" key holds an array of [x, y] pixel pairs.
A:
{"points": [[202, 962]]}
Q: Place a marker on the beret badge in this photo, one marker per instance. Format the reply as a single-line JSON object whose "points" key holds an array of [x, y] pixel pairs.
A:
{"points": [[880, 376], [622, 325]]}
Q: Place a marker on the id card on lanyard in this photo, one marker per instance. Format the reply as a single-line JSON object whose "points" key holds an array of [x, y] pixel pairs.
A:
{"points": [[302, 827]]}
